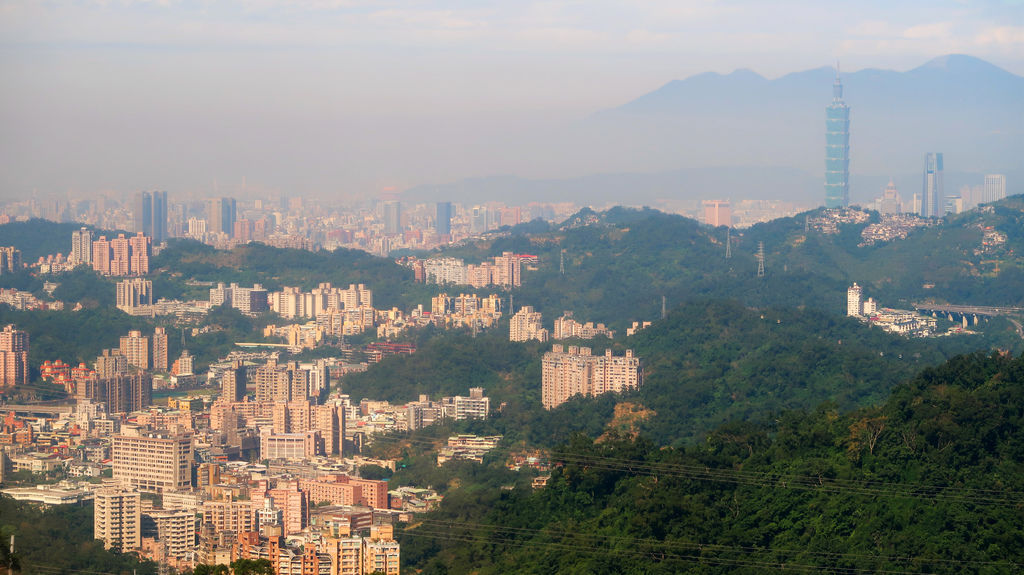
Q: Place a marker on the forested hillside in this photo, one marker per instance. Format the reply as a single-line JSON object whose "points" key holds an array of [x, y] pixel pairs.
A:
{"points": [[620, 263], [930, 481], [392, 284], [708, 363], [59, 540]]}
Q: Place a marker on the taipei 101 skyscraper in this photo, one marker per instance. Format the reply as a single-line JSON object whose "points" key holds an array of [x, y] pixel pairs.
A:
{"points": [[837, 149]]}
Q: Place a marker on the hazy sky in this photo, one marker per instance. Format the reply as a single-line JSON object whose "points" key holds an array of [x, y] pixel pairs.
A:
{"points": [[349, 96]]}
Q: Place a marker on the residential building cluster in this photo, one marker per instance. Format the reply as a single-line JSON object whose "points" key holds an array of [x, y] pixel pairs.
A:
{"points": [[528, 324], [831, 218], [465, 311], [502, 271], [903, 322], [895, 226], [22, 300], [122, 256], [566, 327], [467, 448], [567, 372]]}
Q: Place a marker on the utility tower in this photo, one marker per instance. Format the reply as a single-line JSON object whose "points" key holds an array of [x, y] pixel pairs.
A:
{"points": [[760, 259]]}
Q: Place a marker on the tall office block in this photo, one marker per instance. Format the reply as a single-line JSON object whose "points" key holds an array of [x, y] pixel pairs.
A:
{"points": [[153, 461], [717, 213], [995, 187], [142, 213], [932, 196], [837, 149], [13, 357], [220, 215], [392, 216], [443, 219], [159, 217]]}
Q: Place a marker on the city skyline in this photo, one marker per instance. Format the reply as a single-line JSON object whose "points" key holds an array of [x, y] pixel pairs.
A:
{"points": [[335, 99]]}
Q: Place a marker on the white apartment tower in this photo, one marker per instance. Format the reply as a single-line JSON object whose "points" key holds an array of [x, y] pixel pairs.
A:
{"points": [[853, 301], [117, 519], [526, 325]]}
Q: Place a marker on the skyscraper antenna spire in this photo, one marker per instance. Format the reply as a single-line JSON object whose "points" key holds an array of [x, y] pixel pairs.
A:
{"points": [[837, 86]]}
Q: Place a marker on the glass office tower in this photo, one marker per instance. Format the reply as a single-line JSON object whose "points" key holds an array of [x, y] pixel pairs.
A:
{"points": [[932, 199], [837, 150]]}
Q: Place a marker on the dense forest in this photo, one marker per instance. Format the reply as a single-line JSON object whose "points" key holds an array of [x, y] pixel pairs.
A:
{"points": [[50, 540], [930, 481]]}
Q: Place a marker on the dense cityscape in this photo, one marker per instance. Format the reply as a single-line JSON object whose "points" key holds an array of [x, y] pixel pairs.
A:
{"points": [[495, 374]]}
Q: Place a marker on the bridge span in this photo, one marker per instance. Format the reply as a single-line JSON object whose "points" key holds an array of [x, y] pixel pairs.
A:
{"points": [[968, 309]]}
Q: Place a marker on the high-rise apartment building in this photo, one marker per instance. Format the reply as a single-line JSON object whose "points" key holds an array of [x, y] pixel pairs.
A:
{"points": [[235, 516], [527, 324], [117, 519], [101, 255], [233, 382], [81, 246], [717, 213], [160, 359], [174, 530], [153, 461], [932, 195], [854, 296], [10, 259], [184, 365], [837, 149], [443, 219], [122, 393], [141, 249], [13, 357], [122, 256], [995, 187], [110, 363], [134, 292], [566, 373], [135, 347]]}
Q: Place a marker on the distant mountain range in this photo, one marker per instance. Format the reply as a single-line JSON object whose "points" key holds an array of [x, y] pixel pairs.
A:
{"points": [[741, 135]]}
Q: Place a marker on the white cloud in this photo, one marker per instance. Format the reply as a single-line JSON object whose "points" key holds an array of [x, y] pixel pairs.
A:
{"points": [[931, 31], [1003, 36]]}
